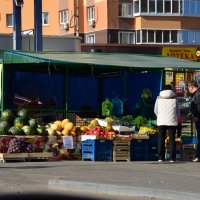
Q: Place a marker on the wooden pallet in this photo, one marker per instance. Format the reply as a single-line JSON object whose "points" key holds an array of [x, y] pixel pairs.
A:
{"points": [[13, 157], [40, 156], [121, 150]]}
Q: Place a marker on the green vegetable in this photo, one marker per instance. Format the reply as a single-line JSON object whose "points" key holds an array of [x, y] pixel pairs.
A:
{"points": [[140, 121]]}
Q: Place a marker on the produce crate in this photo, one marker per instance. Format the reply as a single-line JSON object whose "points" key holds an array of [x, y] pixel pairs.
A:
{"points": [[13, 157], [152, 151], [178, 154], [188, 139], [121, 150], [97, 150], [188, 152], [139, 150]]}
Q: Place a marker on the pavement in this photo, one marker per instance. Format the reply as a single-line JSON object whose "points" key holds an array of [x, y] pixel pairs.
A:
{"points": [[179, 180]]}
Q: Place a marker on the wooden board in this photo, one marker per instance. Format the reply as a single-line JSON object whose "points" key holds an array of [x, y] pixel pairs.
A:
{"points": [[40, 155], [13, 156]]}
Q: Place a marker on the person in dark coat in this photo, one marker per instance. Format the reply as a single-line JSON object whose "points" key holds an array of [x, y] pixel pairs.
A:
{"points": [[145, 106], [195, 113]]}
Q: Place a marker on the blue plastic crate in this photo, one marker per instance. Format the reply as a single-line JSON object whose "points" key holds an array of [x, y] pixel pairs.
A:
{"points": [[153, 139], [152, 147], [139, 145], [138, 156], [97, 150], [188, 139], [152, 156]]}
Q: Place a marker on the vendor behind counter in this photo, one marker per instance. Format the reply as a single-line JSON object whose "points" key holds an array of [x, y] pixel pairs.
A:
{"points": [[145, 106]]}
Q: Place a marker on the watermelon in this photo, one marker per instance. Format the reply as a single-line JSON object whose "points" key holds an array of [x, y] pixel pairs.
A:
{"points": [[41, 130], [23, 113], [15, 130], [7, 115], [33, 122], [19, 122], [4, 127], [28, 130]]}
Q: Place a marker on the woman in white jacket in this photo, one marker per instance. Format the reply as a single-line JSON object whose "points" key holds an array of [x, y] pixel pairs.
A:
{"points": [[167, 111]]}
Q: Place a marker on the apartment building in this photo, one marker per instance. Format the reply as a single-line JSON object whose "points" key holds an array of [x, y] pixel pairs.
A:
{"points": [[152, 22]]}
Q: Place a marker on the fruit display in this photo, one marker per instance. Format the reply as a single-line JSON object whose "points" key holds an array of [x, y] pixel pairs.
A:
{"points": [[147, 129], [94, 128]]}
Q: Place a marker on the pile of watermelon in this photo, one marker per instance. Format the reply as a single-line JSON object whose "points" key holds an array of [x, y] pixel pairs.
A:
{"points": [[20, 123]]}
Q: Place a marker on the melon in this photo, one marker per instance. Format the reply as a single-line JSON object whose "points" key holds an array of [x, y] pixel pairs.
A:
{"points": [[4, 127], [15, 130], [7, 115]]}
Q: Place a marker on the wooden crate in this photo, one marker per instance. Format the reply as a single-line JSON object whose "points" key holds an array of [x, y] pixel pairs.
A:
{"points": [[13, 157], [188, 152], [121, 150], [40, 156]]}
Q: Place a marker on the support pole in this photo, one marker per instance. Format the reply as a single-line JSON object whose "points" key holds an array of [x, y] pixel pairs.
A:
{"points": [[17, 37], [38, 25]]}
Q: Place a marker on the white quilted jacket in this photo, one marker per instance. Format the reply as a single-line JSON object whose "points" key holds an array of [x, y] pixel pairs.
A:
{"points": [[166, 109]]}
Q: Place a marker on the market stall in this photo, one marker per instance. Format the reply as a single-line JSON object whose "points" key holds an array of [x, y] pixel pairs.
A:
{"points": [[56, 85]]}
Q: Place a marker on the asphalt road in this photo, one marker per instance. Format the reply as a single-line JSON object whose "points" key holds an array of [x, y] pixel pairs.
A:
{"points": [[99, 180]]}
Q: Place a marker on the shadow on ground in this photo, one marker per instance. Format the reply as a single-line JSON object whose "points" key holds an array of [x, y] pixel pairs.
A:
{"points": [[44, 197]]}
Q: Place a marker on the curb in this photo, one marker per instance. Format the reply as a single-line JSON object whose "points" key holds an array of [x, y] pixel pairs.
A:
{"points": [[100, 188]]}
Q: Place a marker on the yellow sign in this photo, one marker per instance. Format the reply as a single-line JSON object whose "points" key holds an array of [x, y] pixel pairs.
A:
{"points": [[178, 52]]}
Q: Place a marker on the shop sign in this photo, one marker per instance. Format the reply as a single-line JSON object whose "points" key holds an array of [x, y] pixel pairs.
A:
{"points": [[182, 53]]}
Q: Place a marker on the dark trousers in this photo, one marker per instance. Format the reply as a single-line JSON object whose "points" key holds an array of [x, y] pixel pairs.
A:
{"points": [[197, 124], [162, 130]]}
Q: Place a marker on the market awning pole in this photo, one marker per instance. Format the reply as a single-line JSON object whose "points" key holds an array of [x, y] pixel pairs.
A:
{"points": [[17, 38], [38, 25], [2, 88], [66, 91]]}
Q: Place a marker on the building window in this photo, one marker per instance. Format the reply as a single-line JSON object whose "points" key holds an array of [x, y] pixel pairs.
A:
{"points": [[167, 6], [126, 38], [91, 13], [151, 36], [144, 36], [157, 36], [138, 32], [64, 16], [175, 7], [152, 6], [126, 10], [166, 37], [90, 39], [136, 6], [9, 20], [174, 38], [143, 6], [45, 18], [159, 6]]}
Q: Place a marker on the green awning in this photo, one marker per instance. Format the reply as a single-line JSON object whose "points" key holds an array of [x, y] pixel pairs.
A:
{"points": [[99, 59]]}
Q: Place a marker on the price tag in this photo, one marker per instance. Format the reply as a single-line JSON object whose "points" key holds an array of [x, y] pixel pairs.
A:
{"points": [[68, 142]]}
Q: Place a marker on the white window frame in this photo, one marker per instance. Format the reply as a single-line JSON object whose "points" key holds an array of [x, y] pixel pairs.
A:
{"points": [[90, 39], [139, 3], [154, 36], [91, 13], [128, 35], [125, 8], [43, 18], [64, 16], [9, 23]]}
